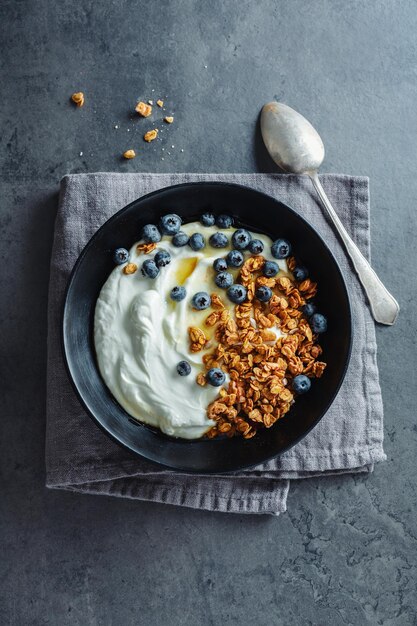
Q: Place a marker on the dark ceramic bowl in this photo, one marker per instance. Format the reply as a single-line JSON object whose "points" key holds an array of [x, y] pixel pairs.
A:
{"points": [[258, 212]]}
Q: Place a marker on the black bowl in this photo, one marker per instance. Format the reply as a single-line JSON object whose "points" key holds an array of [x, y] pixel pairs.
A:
{"points": [[252, 209]]}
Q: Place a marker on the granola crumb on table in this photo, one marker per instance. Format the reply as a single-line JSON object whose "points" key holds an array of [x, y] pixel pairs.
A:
{"points": [[143, 109], [261, 366], [151, 135], [78, 98]]}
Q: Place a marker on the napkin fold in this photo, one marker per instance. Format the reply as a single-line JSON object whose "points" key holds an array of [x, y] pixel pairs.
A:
{"points": [[79, 457]]}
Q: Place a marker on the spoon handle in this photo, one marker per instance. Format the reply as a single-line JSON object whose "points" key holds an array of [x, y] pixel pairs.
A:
{"points": [[383, 305]]}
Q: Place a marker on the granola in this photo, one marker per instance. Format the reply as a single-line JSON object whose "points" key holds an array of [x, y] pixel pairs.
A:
{"points": [[143, 109], [151, 135], [261, 362]]}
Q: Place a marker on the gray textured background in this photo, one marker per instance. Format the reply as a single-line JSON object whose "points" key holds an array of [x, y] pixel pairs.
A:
{"points": [[345, 553]]}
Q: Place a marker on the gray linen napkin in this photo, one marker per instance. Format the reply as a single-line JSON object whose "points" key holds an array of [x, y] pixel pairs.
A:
{"points": [[79, 457]]}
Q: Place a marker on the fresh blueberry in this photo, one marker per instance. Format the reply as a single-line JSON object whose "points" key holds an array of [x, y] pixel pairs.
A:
{"points": [[178, 293], [207, 219], [234, 258], [201, 300], [224, 280], [237, 294], [121, 255], [220, 265], [263, 293], [197, 242], [150, 269], [150, 234], [170, 224], [255, 246], [300, 273], [162, 258], [184, 368], [241, 238], [318, 323], [301, 383], [309, 309], [280, 249], [224, 221], [218, 240], [216, 377], [180, 239], [270, 269]]}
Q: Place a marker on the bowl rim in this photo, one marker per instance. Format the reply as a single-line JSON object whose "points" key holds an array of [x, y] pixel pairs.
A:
{"points": [[125, 445]]}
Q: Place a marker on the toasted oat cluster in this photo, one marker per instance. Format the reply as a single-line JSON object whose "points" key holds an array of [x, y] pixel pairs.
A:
{"points": [[260, 364], [78, 98], [143, 109], [151, 135]]}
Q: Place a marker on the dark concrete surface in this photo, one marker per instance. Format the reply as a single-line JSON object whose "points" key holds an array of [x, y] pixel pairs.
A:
{"points": [[346, 551]]}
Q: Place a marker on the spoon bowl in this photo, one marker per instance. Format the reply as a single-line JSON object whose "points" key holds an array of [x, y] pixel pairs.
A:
{"points": [[293, 143]]}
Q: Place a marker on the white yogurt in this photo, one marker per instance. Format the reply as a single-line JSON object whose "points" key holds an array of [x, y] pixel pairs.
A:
{"points": [[141, 335]]}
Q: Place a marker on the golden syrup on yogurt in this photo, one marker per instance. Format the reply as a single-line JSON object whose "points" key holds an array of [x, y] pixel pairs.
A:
{"points": [[185, 268]]}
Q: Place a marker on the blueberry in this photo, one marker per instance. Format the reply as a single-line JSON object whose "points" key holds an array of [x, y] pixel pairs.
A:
{"points": [[255, 246], [220, 265], [224, 280], [237, 294], [150, 269], [180, 239], [184, 368], [201, 300], [270, 269], [162, 258], [241, 238], [309, 309], [215, 376], [120, 255], [197, 242], [301, 383], [224, 221], [318, 323], [218, 240], [170, 224], [234, 258], [300, 273], [280, 249], [150, 234], [207, 219], [178, 293], [263, 293]]}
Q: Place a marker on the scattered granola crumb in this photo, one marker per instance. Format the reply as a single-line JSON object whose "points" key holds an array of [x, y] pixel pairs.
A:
{"points": [[201, 379], [78, 98], [151, 135], [150, 101], [168, 119], [143, 109], [81, 154], [146, 248], [160, 103], [130, 268], [182, 149], [129, 154]]}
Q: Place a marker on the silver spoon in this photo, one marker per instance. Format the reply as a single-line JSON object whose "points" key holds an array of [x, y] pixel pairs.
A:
{"points": [[297, 147]]}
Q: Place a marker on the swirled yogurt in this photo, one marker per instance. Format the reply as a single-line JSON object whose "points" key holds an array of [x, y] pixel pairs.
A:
{"points": [[141, 335]]}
